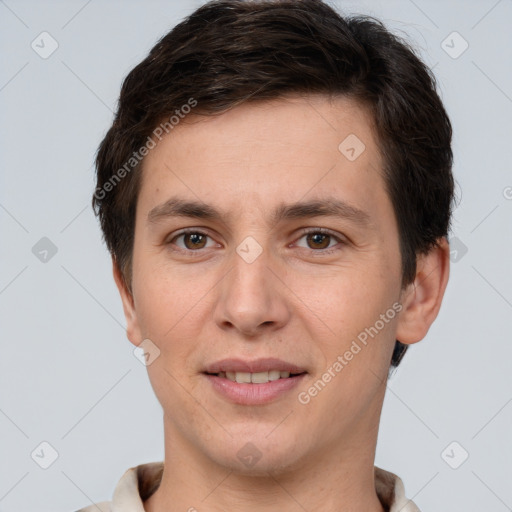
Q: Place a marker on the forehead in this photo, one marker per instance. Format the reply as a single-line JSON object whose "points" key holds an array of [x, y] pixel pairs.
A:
{"points": [[262, 152]]}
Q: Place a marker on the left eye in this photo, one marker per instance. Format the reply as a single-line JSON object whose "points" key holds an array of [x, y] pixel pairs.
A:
{"points": [[319, 240], [193, 240]]}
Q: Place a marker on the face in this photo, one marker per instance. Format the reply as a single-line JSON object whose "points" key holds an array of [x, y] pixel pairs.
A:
{"points": [[265, 243]]}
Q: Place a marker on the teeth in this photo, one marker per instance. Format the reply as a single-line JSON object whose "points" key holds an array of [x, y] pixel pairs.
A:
{"points": [[242, 377], [259, 378], [255, 378]]}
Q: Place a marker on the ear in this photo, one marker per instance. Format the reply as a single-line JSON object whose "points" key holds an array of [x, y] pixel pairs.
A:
{"points": [[132, 324], [421, 299]]}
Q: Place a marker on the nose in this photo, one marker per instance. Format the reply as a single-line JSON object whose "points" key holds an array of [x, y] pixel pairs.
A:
{"points": [[252, 298]]}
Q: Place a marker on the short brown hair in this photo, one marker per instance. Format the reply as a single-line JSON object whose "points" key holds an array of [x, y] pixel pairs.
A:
{"points": [[230, 51]]}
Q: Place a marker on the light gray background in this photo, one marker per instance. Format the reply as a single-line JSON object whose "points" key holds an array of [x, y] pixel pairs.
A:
{"points": [[68, 374]]}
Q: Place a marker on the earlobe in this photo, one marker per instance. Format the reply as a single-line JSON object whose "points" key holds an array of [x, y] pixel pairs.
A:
{"points": [[422, 299], [132, 325]]}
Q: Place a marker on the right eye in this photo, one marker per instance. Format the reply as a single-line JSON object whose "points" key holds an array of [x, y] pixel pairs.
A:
{"points": [[191, 240]]}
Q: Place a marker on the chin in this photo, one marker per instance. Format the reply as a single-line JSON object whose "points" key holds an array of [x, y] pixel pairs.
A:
{"points": [[259, 455]]}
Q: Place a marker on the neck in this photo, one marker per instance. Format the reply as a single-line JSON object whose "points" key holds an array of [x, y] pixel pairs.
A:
{"points": [[334, 480]]}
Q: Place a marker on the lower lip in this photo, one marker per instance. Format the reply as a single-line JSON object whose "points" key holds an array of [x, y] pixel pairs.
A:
{"points": [[253, 394]]}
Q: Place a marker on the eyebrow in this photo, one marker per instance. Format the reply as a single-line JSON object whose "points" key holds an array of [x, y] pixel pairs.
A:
{"points": [[329, 207]]}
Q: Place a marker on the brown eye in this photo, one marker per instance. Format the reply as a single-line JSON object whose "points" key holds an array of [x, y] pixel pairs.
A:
{"points": [[194, 240], [318, 240]]}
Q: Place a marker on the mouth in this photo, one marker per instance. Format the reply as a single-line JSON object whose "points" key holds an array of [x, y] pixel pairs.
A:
{"points": [[253, 382], [257, 377]]}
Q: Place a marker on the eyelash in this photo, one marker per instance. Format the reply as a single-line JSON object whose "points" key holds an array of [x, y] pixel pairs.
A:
{"points": [[304, 232], [323, 231]]}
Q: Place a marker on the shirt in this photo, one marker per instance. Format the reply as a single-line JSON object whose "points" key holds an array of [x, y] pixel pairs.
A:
{"points": [[140, 482]]}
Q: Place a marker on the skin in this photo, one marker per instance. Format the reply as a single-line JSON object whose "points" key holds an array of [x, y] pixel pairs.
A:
{"points": [[304, 300]]}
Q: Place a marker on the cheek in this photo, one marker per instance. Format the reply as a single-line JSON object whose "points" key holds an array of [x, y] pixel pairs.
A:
{"points": [[344, 317], [165, 301], [168, 310], [347, 297], [362, 325]]}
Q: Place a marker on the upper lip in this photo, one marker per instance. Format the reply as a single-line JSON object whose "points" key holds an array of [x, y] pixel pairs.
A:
{"points": [[255, 366]]}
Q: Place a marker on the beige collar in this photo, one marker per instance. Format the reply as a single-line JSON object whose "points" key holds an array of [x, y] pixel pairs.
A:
{"points": [[140, 482]]}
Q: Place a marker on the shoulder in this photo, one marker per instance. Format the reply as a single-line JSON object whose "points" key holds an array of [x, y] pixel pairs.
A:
{"points": [[391, 492], [135, 486]]}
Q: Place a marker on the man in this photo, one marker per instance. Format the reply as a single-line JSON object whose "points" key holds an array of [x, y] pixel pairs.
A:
{"points": [[275, 192]]}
